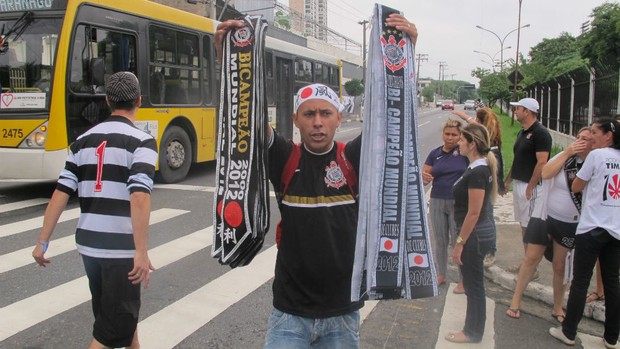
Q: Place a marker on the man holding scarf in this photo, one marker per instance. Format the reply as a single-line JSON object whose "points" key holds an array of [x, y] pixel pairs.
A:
{"points": [[312, 284]]}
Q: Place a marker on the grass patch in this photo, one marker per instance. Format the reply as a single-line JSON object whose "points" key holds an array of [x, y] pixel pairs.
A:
{"points": [[509, 135]]}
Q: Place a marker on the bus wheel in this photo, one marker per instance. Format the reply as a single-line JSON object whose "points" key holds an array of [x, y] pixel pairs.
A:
{"points": [[175, 155]]}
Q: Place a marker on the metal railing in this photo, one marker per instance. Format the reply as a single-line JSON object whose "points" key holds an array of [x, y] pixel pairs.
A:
{"points": [[575, 99]]}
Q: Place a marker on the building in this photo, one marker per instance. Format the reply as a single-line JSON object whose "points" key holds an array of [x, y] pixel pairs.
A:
{"points": [[314, 21]]}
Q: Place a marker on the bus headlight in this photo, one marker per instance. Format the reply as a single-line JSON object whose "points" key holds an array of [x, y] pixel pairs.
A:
{"points": [[39, 139], [36, 139]]}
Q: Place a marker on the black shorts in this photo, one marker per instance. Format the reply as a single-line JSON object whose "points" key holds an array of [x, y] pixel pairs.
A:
{"points": [[562, 232], [536, 232], [115, 302]]}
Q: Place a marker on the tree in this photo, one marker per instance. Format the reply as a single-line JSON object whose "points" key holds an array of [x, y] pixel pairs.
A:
{"points": [[281, 20], [551, 58], [494, 87], [480, 72], [602, 41], [354, 87]]}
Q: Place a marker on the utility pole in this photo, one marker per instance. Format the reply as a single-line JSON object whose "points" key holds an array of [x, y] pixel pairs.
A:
{"points": [[442, 66], [363, 23], [420, 57]]}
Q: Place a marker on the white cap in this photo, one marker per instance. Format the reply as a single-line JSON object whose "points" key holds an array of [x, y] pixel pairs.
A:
{"points": [[527, 103], [317, 91]]}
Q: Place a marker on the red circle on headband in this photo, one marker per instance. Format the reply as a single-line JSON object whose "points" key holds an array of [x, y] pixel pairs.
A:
{"points": [[307, 92]]}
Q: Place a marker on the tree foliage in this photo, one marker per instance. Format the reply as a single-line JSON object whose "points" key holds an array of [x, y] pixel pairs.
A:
{"points": [[551, 58], [495, 86], [602, 41], [354, 87]]}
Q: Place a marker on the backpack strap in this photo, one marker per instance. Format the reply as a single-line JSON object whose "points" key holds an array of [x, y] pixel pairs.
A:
{"points": [[347, 168], [289, 169]]}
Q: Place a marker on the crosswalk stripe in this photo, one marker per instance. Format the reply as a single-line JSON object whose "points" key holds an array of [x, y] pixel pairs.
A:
{"points": [[22, 204], [164, 330], [18, 259], [35, 223], [193, 188], [453, 319], [28, 312]]}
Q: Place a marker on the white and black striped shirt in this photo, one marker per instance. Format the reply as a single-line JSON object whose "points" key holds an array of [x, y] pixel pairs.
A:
{"points": [[105, 165]]}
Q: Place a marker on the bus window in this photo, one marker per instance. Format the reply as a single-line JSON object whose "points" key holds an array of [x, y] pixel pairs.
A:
{"points": [[322, 73], [175, 54], [208, 70], [27, 62], [271, 98], [118, 51], [86, 102], [303, 70], [334, 76]]}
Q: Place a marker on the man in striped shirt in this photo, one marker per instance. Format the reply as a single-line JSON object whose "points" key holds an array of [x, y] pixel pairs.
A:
{"points": [[111, 167]]}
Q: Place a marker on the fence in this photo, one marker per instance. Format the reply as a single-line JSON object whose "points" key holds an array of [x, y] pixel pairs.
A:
{"points": [[573, 100]]}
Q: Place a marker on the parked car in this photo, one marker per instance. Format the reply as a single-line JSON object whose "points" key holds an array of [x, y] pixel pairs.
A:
{"points": [[447, 104], [470, 104], [438, 103]]}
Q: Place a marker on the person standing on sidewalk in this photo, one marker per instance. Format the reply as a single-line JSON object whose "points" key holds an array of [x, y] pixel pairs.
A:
{"points": [[111, 167], [563, 209], [598, 234], [474, 194], [531, 153], [487, 118], [443, 167]]}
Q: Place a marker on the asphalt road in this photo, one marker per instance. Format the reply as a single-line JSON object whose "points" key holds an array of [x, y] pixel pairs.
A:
{"points": [[193, 301]]}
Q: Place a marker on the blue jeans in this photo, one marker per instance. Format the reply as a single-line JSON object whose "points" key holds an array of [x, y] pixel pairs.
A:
{"points": [[596, 243], [472, 270], [288, 331]]}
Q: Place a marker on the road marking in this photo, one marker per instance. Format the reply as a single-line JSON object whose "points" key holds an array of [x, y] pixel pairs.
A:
{"points": [[193, 188], [30, 311], [453, 319], [164, 330], [350, 129], [20, 258], [424, 123], [35, 223], [22, 204]]}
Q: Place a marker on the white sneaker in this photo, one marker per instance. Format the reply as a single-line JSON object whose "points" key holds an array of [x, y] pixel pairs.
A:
{"points": [[556, 332], [610, 346]]}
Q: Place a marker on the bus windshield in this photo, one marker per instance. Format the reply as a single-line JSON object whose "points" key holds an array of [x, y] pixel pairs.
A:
{"points": [[26, 64]]}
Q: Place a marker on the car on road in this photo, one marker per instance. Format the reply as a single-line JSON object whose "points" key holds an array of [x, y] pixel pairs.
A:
{"points": [[439, 102], [470, 104], [447, 104]]}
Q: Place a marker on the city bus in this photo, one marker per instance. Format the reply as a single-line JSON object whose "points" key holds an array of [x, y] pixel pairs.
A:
{"points": [[55, 56]]}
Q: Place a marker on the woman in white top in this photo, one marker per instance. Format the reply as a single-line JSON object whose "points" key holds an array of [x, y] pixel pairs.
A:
{"points": [[598, 233], [563, 209]]}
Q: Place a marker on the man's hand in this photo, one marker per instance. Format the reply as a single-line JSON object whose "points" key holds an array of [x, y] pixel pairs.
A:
{"points": [[222, 29], [39, 255], [141, 271], [401, 23]]}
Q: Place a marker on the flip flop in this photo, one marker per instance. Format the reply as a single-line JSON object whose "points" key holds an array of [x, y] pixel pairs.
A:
{"points": [[458, 337], [595, 297], [558, 317], [513, 313]]}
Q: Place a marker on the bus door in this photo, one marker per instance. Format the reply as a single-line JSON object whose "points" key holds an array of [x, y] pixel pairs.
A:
{"points": [[284, 96]]}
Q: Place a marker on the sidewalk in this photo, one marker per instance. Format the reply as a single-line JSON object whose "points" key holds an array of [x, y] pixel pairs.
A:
{"points": [[510, 253]]}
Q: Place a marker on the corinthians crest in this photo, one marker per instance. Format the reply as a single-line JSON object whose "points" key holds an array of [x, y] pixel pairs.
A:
{"points": [[334, 177], [393, 53], [242, 37]]}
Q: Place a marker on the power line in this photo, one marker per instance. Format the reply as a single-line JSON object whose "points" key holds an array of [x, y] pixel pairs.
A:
{"points": [[351, 7]]}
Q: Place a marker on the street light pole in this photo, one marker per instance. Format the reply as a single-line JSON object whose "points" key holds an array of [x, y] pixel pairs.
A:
{"points": [[501, 41], [514, 93], [363, 23], [491, 58]]}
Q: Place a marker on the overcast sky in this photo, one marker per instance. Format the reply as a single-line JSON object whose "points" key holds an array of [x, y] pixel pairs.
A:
{"points": [[448, 33]]}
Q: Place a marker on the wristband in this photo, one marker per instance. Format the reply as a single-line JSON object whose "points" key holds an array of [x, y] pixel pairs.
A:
{"points": [[44, 244]]}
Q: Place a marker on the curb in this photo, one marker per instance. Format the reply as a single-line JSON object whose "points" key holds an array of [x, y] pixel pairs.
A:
{"points": [[535, 290]]}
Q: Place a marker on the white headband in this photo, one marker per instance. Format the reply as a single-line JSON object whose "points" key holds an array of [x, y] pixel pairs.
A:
{"points": [[317, 91]]}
